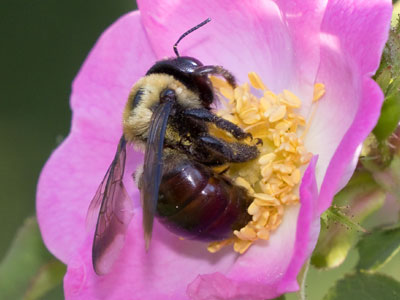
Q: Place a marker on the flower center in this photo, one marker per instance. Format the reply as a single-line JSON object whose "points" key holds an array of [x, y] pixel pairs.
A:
{"points": [[273, 179]]}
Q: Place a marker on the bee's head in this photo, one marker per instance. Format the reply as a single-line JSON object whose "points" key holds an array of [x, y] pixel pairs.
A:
{"points": [[186, 76], [191, 72], [186, 70]]}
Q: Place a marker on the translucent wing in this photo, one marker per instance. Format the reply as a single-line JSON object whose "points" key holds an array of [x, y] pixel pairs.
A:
{"points": [[114, 215], [152, 171]]}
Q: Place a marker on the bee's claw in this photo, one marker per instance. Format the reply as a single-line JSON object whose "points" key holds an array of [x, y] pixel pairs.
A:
{"points": [[259, 142], [249, 135]]}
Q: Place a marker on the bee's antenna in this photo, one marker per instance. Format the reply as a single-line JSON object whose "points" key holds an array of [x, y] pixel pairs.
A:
{"points": [[187, 32]]}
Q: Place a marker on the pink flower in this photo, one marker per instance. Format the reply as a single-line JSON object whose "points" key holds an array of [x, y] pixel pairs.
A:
{"points": [[291, 45]]}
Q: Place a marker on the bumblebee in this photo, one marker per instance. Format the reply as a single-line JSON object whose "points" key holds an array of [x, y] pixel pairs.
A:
{"points": [[168, 113]]}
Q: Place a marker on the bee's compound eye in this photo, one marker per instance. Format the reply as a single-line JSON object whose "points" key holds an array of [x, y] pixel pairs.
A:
{"points": [[167, 95]]}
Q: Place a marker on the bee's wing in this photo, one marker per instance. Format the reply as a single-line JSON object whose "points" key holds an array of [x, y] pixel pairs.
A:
{"points": [[153, 163], [114, 215]]}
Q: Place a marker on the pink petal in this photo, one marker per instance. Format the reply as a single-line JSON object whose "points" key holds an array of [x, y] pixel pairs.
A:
{"points": [[308, 226], [74, 171], [352, 37], [278, 40], [303, 19]]}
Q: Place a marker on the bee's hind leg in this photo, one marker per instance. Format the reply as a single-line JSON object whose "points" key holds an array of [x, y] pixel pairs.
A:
{"points": [[217, 151]]}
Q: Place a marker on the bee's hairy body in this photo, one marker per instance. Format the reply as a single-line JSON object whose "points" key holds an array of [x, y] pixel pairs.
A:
{"points": [[168, 114], [193, 200], [184, 132]]}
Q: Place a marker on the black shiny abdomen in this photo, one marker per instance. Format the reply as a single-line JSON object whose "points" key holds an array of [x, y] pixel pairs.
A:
{"points": [[196, 203]]}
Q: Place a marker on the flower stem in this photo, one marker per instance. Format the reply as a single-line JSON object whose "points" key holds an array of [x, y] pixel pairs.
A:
{"points": [[301, 294]]}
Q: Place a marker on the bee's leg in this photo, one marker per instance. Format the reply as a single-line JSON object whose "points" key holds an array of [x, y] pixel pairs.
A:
{"points": [[224, 171], [215, 149], [216, 70], [207, 116]]}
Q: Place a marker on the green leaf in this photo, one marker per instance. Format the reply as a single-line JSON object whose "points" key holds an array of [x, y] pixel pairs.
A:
{"points": [[48, 277], [390, 117], [28, 270], [376, 156], [384, 78], [388, 78], [393, 87], [340, 227], [336, 214], [364, 286], [377, 248], [391, 54]]}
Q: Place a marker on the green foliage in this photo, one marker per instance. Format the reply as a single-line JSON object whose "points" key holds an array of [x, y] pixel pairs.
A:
{"points": [[388, 78], [337, 215], [28, 270], [389, 178], [375, 155], [376, 178], [377, 248], [340, 226], [302, 279], [390, 58], [364, 286], [390, 116], [384, 78]]}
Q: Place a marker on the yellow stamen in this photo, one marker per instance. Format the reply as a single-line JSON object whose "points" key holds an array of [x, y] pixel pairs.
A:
{"points": [[227, 93], [290, 99], [242, 182], [266, 158], [256, 81], [219, 83], [216, 246], [273, 179], [277, 113], [319, 91]]}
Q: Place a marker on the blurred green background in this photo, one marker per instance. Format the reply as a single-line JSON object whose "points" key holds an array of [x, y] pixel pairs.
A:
{"points": [[44, 43]]}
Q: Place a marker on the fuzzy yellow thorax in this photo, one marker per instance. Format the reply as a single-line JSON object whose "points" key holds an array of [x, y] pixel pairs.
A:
{"points": [[273, 179]]}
